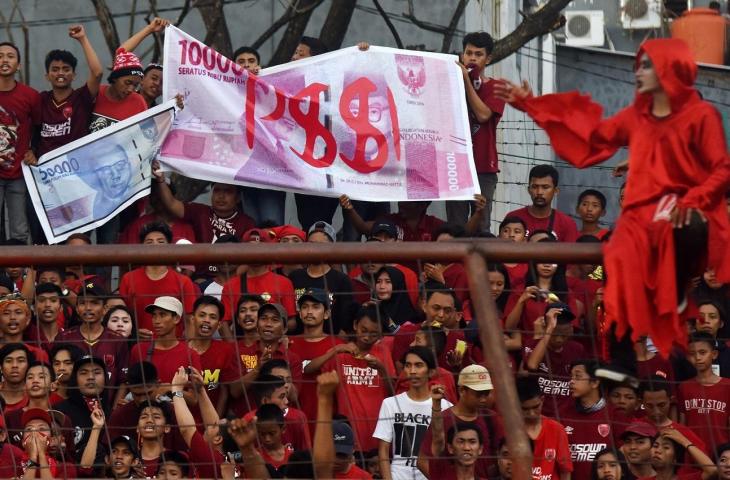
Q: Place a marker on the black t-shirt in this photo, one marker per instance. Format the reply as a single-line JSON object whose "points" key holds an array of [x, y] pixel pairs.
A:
{"points": [[339, 287]]}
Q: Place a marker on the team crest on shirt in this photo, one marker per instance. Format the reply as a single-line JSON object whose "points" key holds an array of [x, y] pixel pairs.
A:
{"points": [[549, 454], [604, 429], [67, 111], [266, 296], [569, 430]]}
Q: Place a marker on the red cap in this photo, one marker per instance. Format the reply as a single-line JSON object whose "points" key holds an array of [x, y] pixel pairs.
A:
{"points": [[125, 63], [35, 414], [641, 429], [263, 235], [288, 230]]}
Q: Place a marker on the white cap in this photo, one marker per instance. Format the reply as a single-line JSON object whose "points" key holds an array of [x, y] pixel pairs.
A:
{"points": [[475, 377], [171, 304]]}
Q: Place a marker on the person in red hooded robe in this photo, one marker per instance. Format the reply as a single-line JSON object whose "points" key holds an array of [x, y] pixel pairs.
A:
{"points": [[674, 219]]}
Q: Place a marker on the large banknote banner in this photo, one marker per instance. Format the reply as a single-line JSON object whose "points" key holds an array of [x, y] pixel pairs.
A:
{"points": [[382, 125], [84, 184]]}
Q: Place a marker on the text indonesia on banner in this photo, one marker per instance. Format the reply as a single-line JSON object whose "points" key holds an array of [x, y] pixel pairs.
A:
{"points": [[84, 184], [380, 125]]}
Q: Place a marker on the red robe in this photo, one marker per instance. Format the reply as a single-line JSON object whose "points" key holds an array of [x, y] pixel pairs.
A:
{"points": [[684, 154]]}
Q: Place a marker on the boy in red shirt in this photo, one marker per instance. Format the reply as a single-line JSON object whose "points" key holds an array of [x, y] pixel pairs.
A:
{"points": [[551, 453], [270, 427], [591, 207], [703, 401]]}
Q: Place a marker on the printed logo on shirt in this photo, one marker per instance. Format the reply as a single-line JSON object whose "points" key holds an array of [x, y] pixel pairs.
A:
{"points": [[537, 474], [705, 405], [365, 376], [549, 454], [222, 226], [100, 122], [604, 429], [585, 452], [211, 378], [249, 361], [56, 130], [569, 430], [554, 387], [9, 124]]}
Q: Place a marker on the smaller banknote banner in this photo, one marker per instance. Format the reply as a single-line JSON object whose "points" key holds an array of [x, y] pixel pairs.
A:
{"points": [[84, 184]]}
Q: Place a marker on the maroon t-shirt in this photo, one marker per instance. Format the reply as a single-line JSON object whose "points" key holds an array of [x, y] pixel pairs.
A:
{"points": [[492, 431], [553, 374], [484, 135], [705, 409], [208, 226], [166, 361], [64, 122], [219, 367], [111, 347], [19, 111], [423, 231], [589, 433], [10, 461], [564, 227]]}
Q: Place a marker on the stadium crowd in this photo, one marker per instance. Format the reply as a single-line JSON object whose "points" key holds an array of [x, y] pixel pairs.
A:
{"points": [[335, 371]]}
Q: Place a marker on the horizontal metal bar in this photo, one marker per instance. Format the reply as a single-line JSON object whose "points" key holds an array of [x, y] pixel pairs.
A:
{"points": [[342, 252]]}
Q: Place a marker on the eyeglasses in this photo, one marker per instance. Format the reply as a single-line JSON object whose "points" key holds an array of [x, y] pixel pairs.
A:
{"points": [[115, 168]]}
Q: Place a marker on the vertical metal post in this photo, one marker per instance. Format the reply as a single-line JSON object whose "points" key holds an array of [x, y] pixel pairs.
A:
{"points": [[495, 354]]}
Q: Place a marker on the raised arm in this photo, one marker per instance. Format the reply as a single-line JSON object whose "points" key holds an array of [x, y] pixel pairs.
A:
{"points": [[317, 363], [323, 448], [96, 71], [709, 469], [349, 211], [175, 206], [438, 436], [155, 26], [480, 109], [243, 433], [89, 455], [538, 354], [207, 410], [183, 415]]}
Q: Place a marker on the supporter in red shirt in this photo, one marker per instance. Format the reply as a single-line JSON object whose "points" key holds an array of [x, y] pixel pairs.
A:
{"points": [[143, 284], [515, 230], [703, 401], [19, 112], [180, 229], [366, 370], [63, 356], [649, 363], [289, 234], [542, 187], [151, 85], [205, 451], [412, 222], [119, 100], [313, 342], [591, 424], [464, 442], [14, 321], [475, 387], [623, 396], [551, 357], [671, 450], [637, 439], [165, 351], [551, 453], [452, 275], [14, 361], [11, 457], [271, 328], [271, 389], [258, 280], [153, 425], [38, 442], [591, 208], [43, 332], [223, 216], [245, 330], [95, 340], [218, 359], [65, 111], [270, 428]]}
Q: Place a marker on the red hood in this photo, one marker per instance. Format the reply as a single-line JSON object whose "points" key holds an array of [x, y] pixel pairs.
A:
{"points": [[676, 68]]}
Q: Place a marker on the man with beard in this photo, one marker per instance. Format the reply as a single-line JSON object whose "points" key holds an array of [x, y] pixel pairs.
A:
{"points": [[542, 187]]}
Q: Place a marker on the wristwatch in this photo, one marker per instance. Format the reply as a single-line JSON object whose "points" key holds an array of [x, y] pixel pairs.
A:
{"points": [[32, 464], [179, 394]]}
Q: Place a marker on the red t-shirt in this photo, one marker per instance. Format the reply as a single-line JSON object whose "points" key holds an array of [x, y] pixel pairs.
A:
{"points": [[307, 351], [220, 366], [208, 226], [705, 409], [564, 227], [138, 290], [288, 450], [589, 433], [274, 288], [10, 461], [423, 232], [484, 135], [296, 433], [492, 431], [551, 452], [166, 361], [553, 374], [64, 123], [205, 457], [362, 390], [517, 274], [180, 229], [354, 473], [19, 111], [108, 112], [456, 279]]}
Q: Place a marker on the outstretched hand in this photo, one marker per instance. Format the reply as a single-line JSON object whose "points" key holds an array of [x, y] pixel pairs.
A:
{"points": [[511, 92]]}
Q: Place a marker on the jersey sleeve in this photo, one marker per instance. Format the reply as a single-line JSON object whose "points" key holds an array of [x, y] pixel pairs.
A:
{"points": [[565, 464], [384, 427], [575, 125]]}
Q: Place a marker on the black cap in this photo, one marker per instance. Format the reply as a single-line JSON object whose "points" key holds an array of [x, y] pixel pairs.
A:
{"points": [[87, 359], [315, 294], [566, 315], [385, 226], [128, 442], [92, 289]]}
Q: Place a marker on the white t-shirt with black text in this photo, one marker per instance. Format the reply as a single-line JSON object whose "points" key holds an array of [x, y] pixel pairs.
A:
{"points": [[403, 422]]}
